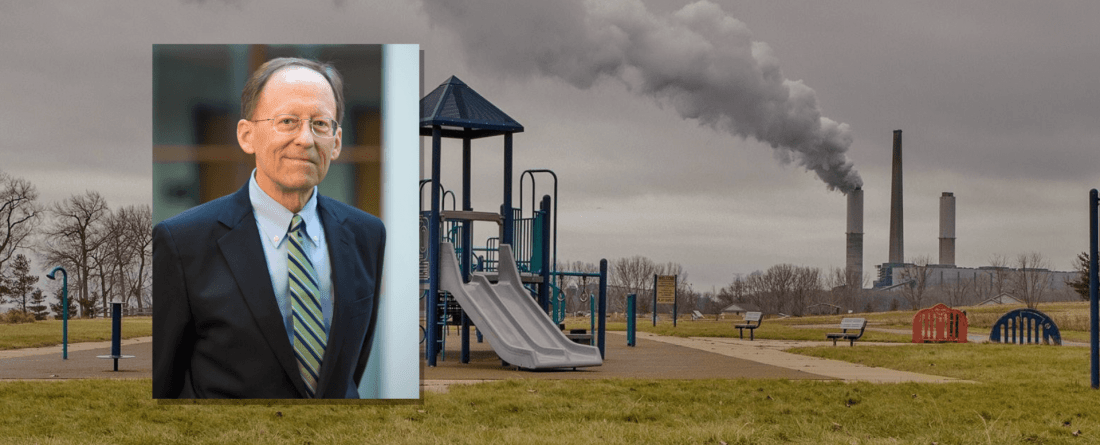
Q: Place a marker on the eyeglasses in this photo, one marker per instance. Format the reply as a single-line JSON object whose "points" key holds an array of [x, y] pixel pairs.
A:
{"points": [[289, 124]]}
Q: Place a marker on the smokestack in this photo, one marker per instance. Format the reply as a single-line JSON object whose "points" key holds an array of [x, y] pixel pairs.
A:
{"points": [[897, 235], [947, 229], [854, 264]]}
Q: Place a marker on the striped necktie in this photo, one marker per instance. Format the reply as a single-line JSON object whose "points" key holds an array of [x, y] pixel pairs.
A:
{"points": [[309, 325]]}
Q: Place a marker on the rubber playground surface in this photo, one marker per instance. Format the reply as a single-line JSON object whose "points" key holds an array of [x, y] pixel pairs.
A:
{"points": [[654, 357], [661, 357]]}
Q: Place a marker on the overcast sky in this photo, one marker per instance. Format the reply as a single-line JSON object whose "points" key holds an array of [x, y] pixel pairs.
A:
{"points": [[659, 117]]}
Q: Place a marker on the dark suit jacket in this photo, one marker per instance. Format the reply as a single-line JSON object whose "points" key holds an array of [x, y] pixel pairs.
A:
{"points": [[217, 329]]}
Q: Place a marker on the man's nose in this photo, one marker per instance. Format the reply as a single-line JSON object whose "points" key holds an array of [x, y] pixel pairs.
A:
{"points": [[304, 135]]}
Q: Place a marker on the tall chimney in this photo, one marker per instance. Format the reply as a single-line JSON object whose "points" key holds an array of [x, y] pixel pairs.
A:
{"points": [[947, 229], [854, 264], [897, 234]]}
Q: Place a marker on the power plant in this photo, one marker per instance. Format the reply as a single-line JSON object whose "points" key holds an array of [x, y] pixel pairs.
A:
{"points": [[897, 232], [947, 229], [854, 263]]}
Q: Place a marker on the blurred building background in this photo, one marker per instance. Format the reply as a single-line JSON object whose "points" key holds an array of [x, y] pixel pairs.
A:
{"points": [[196, 106]]}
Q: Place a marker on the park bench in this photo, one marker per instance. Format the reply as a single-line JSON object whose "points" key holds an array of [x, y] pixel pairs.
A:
{"points": [[849, 324], [938, 324], [748, 323]]}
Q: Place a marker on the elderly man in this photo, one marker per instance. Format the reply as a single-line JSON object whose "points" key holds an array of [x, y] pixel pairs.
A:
{"points": [[272, 291]]}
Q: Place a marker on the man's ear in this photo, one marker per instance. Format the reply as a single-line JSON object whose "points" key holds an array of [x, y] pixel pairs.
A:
{"points": [[337, 146], [244, 136]]}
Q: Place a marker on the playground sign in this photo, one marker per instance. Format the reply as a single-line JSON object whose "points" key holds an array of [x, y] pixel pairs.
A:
{"points": [[666, 289]]}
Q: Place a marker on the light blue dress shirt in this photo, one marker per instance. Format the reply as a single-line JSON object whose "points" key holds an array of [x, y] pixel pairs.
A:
{"points": [[273, 220]]}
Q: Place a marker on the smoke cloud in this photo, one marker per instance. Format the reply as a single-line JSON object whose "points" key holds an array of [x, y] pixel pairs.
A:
{"points": [[699, 60]]}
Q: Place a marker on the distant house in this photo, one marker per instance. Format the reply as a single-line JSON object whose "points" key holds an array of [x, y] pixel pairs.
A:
{"points": [[1001, 299], [740, 309]]}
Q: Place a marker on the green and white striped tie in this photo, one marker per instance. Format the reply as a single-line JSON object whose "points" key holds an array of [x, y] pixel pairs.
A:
{"points": [[309, 325]]}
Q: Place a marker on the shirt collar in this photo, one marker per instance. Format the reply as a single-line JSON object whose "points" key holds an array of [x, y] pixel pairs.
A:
{"points": [[274, 219]]}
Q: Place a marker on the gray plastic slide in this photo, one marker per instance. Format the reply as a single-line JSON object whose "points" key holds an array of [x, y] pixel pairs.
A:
{"points": [[517, 329]]}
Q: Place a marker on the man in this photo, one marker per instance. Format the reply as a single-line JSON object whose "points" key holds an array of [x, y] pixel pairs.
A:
{"points": [[272, 291]]}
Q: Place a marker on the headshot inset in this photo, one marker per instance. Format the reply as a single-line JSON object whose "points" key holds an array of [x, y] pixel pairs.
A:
{"points": [[270, 238]]}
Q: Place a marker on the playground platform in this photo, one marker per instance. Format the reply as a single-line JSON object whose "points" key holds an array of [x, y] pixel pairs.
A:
{"points": [[655, 357], [661, 357]]}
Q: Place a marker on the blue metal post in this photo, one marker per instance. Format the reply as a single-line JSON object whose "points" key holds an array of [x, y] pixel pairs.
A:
{"points": [[116, 332], [631, 319], [508, 217], [1094, 301], [603, 306], [544, 289], [64, 309], [592, 318], [431, 349], [467, 245]]}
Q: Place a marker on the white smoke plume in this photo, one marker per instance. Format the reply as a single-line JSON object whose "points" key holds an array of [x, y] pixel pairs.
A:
{"points": [[701, 61]]}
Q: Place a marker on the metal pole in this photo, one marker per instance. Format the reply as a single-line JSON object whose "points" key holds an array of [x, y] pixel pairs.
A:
{"points": [[654, 300], [116, 332], [508, 221], [631, 319], [64, 309], [591, 317], [467, 245], [544, 289], [431, 348], [603, 306], [1094, 301]]}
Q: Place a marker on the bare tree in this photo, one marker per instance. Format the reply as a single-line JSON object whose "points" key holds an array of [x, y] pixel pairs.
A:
{"points": [[73, 237], [19, 212], [955, 291], [735, 292], [915, 277], [1032, 278], [772, 290], [138, 227], [806, 288], [104, 267], [634, 275]]}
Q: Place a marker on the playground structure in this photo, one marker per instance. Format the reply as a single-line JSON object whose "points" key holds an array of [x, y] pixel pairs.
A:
{"points": [[457, 285], [1022, 326], [939, 324]]}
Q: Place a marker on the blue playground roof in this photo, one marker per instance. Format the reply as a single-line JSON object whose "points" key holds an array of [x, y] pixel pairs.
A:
{"points": [[463, 113]]}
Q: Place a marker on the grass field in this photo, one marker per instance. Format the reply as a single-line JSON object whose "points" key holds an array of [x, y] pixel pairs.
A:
{"points": [[48, 332], [1072, 320], [1024, 395]]}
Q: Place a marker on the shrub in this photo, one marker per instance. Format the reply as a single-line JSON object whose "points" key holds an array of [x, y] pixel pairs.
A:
{"points": [[15, 316]]}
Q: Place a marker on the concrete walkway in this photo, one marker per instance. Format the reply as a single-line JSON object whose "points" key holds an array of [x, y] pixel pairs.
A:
{"points": [[47, 363], [771, 352], [657, 357], [690, 358]]}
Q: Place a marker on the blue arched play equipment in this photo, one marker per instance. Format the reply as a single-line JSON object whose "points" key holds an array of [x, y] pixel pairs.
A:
{"points": [[1025, 326], [457, 275]]}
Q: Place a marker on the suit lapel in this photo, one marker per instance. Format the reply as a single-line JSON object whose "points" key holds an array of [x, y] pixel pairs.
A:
{"points": [[339, 241], [243, 252]]}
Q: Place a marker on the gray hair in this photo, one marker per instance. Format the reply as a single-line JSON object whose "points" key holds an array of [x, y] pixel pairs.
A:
{"points": [[255, 85]]}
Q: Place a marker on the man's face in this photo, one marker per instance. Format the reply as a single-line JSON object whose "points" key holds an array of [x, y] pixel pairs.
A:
{"points": [[291, 163]]}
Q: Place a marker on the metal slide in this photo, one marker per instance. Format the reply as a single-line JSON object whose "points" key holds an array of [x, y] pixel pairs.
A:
{"points": [[517, 329]]}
